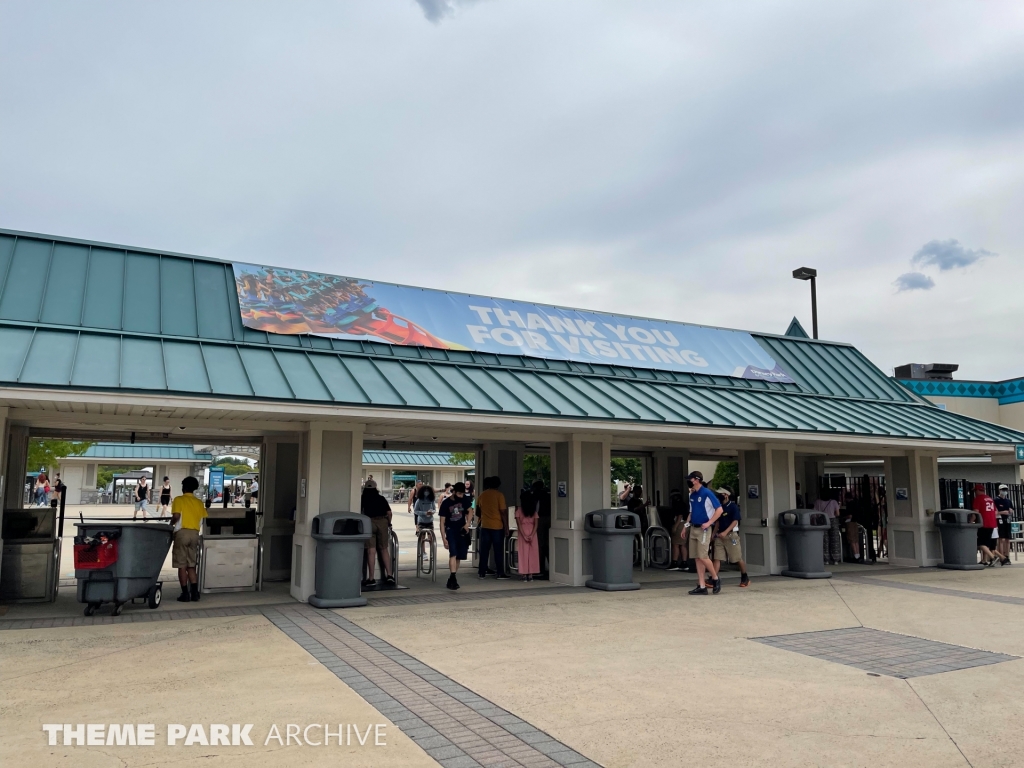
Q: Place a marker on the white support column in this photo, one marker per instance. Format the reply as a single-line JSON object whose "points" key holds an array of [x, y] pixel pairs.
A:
{"points": [[505, 461], [913, 538], [332, 474], [768, 486], [15, 466], [582, 476]]}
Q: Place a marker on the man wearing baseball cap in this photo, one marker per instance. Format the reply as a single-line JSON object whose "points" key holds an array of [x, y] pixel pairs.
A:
{"points": [[705, 509], [727, 538]]}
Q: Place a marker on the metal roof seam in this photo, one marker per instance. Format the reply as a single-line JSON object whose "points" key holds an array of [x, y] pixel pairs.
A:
{"points": [[273, 353], [394, 389], [765, 404], [618, 386], [427, 392], [641, 388], [567, 381], [655, 391], [46, 282], [320, 377], [538, 381]]}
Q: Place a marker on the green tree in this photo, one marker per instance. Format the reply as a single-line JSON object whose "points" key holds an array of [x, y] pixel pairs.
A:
{"points": [[537, 466], [462, 457], [727, 473], [627, 470], [105, 473], [43, 454], [234, 466]]}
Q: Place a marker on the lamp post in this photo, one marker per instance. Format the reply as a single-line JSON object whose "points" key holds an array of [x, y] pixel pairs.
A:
{"points": [[806, 273]]}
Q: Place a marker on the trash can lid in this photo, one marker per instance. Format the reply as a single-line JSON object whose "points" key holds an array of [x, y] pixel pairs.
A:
{"points": [[340, 525], [803, 519], [959, 518], [612, 521]]}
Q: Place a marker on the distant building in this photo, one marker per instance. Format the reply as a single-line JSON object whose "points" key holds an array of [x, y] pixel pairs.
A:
{"points": [[167, 460], [402, 469], [997, 402]]}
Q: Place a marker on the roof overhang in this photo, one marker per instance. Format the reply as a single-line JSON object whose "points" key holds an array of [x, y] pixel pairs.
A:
{"points": [[171, 417]]}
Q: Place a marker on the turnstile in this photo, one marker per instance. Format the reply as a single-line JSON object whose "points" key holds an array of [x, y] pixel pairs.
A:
{"points": [[28, 569]]}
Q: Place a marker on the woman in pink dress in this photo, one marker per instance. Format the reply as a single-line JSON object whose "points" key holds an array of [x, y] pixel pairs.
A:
{"points": [[529, 544]]}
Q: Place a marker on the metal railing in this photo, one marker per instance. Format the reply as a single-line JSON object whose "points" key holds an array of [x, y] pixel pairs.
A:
{"points": [[512, 552], [426, 547], [658, 547]]}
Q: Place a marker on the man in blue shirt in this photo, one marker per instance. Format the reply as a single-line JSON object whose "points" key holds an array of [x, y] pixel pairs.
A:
{"points": [[727, 537], [705, 509]]}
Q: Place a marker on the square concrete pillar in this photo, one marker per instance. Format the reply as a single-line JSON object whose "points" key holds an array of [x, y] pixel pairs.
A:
{"points": [[331, 472], [768, 486], [505, 461], [15, 459], [581, 478], [912, 497]]}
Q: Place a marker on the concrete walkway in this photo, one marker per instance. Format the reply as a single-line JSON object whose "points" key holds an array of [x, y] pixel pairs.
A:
{"points": [[648, 678]]}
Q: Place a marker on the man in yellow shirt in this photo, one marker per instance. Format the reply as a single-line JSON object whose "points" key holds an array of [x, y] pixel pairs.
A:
{"points": [[189, 511], [493, 513]]}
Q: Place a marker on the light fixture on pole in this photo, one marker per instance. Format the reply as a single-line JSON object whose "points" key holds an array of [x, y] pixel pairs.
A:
{"points": [[806, 273]]}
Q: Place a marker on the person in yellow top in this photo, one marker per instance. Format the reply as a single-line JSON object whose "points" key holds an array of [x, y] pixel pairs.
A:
{"points": [[189, 512], [492, 510]]}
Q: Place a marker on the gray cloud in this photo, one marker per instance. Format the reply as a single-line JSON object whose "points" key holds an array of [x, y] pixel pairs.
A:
{"points": [[588, 152], [438, 10], [913, 281], [947, 254]]}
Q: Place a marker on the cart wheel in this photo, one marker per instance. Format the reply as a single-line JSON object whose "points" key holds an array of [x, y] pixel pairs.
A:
{"points": [[118, 607], [156, 594], [90, 609]]}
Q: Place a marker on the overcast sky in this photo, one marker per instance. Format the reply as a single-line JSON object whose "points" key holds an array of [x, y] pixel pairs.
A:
{"points": [[671, 159]]}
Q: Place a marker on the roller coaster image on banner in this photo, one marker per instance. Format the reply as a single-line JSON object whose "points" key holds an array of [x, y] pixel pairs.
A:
{"points": [[291, 301]]}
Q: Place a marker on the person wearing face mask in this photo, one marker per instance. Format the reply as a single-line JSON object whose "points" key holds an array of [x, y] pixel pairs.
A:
{"points": [[705, 509], [1004, 510]]}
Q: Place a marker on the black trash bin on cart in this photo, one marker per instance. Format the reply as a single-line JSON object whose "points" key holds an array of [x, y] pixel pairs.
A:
{"points": [[340, 540], [611, 536], [959, 531], [804, 530]]}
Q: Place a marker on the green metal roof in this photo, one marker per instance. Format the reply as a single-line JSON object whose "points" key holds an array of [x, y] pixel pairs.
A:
{"points": [[154, 451], [96, 316], [413, 459]]}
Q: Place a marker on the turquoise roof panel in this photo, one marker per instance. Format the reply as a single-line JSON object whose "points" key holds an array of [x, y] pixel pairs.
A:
{"points": [[413, 459], [89, 315], [145, 451]]}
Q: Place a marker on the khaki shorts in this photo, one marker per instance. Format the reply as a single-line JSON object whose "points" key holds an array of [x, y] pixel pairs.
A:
{"points": [[679, 533], [185, 549], [729, 548], [698, 550], [379, 534]]}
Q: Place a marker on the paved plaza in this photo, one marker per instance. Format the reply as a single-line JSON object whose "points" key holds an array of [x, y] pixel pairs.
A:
{"points": [[878, 666]]}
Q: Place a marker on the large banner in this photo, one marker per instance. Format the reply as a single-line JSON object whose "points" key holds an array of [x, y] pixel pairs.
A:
{"points": [[291, 301]]}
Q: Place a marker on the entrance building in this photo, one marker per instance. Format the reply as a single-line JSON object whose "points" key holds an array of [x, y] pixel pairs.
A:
{"points": [[104, 342]]}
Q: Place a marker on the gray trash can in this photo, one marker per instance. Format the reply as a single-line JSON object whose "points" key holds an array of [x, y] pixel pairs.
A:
{"points": [[959, 531], [804, 530], [611, 536], [340, 540]]}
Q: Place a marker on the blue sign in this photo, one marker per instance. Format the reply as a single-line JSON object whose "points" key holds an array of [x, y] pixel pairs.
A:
{"points": [[1020, 453], [290, 301], [217, 483]]}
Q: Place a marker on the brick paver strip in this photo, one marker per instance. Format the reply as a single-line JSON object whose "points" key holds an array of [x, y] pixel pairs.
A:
{"points": [[451, 723], [884, 653], [926, 589]]}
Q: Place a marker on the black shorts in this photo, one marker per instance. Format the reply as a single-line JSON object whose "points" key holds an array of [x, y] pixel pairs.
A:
{"points": [[1005, 530], [458, 542], [985, 537]]}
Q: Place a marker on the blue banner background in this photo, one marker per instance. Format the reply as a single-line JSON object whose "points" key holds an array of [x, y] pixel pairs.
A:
{"points": [[292, 301]]}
